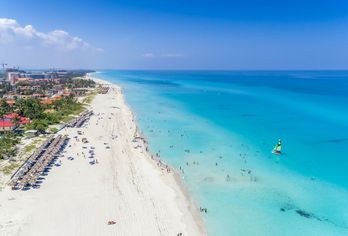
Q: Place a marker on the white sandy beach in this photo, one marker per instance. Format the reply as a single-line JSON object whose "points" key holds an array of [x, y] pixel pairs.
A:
{"points": [[125, 186]]}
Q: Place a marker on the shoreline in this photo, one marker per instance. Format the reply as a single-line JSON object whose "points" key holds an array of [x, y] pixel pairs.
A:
{"points": [[123, 184], [191, 206]]}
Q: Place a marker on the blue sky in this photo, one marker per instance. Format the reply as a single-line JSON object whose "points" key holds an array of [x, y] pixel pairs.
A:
{"points": [[161, 34]]}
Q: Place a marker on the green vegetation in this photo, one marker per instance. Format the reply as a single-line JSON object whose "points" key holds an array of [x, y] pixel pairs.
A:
{"points": [[90, 97], [53, 130], [4, 108], [39, 125], [29, 147], [82, 83], [5, 87], [7, 145], [67, 106], [30, 108], [41, 121], [7, 170], [67, 119]]}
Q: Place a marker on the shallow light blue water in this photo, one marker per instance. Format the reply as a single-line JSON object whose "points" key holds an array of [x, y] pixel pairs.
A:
{"points": [[229, 122]]}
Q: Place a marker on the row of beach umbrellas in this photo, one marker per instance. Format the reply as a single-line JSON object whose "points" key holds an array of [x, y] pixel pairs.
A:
{"points": [[38, 163]]}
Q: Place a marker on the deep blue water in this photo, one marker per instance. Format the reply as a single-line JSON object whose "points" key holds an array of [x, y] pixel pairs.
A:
{"points": [[229, 121]]}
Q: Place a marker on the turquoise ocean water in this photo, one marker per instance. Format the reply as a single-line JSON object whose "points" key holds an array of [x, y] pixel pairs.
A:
{"points": [[218, 128]]}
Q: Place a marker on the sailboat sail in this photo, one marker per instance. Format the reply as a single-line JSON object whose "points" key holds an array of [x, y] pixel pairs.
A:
{"points": [[278, 148]]}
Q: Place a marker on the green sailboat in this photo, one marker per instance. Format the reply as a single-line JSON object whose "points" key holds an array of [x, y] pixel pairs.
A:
{"points": [[278, 148]]}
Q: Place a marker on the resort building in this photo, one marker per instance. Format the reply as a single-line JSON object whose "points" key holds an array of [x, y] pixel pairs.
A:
{"points": [[11, 121], [13, 116], [6, 126]]}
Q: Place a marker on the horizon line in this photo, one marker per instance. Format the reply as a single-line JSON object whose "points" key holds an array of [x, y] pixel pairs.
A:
{"points": [[178, 69]]}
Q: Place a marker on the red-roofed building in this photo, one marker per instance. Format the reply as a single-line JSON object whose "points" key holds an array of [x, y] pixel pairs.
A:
{"points": [[7, 123], [38, 95], [46, 101], [6, 126], [24, 121], [23, 80], [11, 116], [56, 97], [66, 94], [11, 102]]}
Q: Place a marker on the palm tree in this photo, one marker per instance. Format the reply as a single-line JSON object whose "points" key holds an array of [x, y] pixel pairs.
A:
{"points": [[5, 107]]}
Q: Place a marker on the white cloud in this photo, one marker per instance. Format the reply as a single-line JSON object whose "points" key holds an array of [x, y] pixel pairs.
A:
{"points": [[12, 32]]}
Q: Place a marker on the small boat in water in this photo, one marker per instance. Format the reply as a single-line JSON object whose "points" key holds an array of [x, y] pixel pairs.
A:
{"points": [[278, 148]]}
